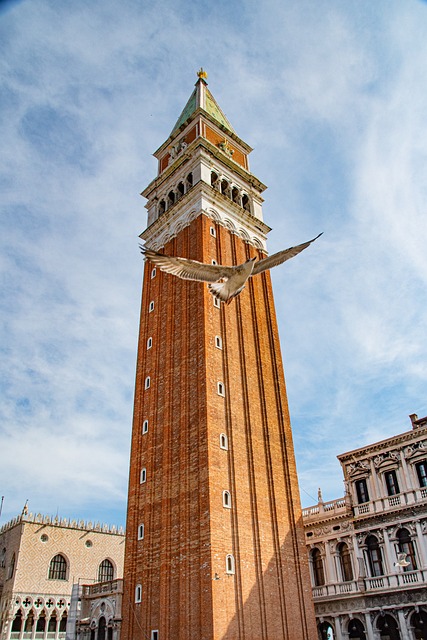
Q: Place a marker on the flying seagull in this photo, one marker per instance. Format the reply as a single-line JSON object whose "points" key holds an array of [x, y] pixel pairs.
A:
{"points": [[401, 560], [225, 283]]}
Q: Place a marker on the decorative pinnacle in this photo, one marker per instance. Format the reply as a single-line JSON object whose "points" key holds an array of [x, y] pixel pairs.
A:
{"points": [[202, 74]]}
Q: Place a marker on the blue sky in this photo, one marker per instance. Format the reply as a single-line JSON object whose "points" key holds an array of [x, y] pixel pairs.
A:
{"points": [[332, 97]]}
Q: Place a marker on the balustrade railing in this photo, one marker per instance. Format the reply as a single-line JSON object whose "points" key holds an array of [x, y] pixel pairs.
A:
{"points": [[377, 505], [388, 582]]}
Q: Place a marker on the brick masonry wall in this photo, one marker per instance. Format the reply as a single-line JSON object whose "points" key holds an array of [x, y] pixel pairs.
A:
{"points": [[187, 531]]}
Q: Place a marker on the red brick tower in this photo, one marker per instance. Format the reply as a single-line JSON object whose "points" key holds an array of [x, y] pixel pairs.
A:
{"points": [[215, 547]]}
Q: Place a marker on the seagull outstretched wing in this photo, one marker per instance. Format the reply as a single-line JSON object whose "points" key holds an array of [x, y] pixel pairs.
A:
{"points": [[188, 269], [281, 256]]}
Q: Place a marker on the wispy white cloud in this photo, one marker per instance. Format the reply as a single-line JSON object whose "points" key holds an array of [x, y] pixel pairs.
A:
{"points": [[330, 97]]}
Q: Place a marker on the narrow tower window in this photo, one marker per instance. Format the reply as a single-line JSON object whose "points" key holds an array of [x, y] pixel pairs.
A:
{"points": [[180, 190], [212, 232], [151, 306], [223, 441], [226, 499], [149, 343], [189, 181], [218, 342], [141, 532], [155, 635], [145, 426], [153, 273], [138, 593], [221, 389], [147, 383], [162, 207], [171, 198], [143, 475], [229, 564], [216, 303]]}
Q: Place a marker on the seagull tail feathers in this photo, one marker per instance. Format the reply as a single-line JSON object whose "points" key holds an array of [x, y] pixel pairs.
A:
{"points": [[222, 292]]}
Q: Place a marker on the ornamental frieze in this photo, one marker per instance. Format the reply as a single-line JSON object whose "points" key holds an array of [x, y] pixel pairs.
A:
{"points": [[416, 447], [358, 466], [388, 456]]}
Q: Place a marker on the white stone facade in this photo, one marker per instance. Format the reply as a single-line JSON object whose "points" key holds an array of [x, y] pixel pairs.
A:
{"points": [[368, 550], [40, 560]]}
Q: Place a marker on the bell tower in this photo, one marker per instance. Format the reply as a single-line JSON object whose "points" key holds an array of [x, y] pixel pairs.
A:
{"points": [[215, 547]]}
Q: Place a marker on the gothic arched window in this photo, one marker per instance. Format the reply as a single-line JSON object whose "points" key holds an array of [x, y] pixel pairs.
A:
{"points": [[345, 562], [318, 573], [52, 623], [17, 622], [58, 568], [374, 556], [406, 545], [105, 571], [101, 628]]}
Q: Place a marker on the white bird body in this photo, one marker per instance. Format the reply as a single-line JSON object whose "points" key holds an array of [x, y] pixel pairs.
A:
{"points": [[401, 560], [225, 283]]}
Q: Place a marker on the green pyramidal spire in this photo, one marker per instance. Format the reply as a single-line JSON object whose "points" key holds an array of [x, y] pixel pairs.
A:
{"points": [[203, 99]]}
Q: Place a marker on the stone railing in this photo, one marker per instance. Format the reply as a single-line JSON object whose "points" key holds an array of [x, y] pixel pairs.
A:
{"points": [[388, 503], [331, 508], [112, 586], [391, 582]]}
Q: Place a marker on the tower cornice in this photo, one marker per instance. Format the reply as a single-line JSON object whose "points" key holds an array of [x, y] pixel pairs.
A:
{"points": [[203, 199], [214, 152]]}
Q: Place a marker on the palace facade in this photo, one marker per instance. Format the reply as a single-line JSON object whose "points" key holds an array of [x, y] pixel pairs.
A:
{"points": [[41, 559], [368, 550]]}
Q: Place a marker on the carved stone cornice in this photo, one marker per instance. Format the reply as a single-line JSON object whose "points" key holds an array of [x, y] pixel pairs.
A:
{"points": [[397, 442]]}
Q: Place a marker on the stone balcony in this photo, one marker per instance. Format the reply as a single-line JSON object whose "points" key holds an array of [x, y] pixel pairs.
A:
{"points": [[325, 509], [387, 583], [340, 507], [102, 588], [390, 503]]}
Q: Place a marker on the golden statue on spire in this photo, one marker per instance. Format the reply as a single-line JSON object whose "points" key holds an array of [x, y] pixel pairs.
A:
{"points": [[202, 74]]}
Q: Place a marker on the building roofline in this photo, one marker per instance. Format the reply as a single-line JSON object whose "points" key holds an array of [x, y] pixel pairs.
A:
{"points": [[66, 523]]}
